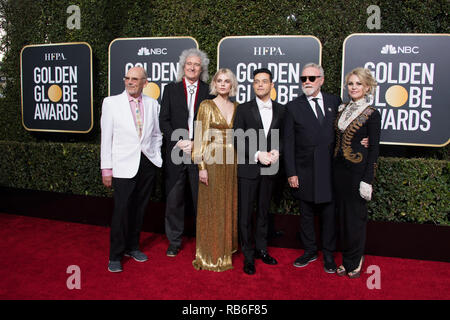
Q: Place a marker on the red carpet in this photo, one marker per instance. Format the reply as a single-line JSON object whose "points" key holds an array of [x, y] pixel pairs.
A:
{"points": [[35, 255]]}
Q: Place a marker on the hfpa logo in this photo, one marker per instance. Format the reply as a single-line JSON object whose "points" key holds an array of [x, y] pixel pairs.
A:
{"points": [[267, 51]]}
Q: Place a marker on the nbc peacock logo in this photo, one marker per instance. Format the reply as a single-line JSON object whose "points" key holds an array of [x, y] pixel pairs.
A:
{"points": [[144, 51], [388, 49]]}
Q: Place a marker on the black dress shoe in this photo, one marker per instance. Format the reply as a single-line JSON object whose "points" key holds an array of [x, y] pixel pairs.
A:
{"points": [[357, 272], [275, 234], [249, 267], [172, 251], [305, 259], [329, 265], [265, 257]]}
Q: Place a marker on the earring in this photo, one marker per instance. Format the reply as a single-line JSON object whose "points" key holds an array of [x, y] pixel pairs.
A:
{"points": [[368, 96]]}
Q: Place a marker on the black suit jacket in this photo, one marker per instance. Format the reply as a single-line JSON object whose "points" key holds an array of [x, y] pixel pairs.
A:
{"points": [[308, 147], [248, 117], [174, 115], [360, 160]]}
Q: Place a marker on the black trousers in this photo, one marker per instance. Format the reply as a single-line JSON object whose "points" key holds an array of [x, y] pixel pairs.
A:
{"points": [[175, 203], [257, 190], [352, 212], [326, 212], [131, 197]]}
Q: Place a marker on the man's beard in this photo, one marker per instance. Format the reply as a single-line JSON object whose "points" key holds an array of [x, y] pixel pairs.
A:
{"points": [[131, 89], [309, 91]]}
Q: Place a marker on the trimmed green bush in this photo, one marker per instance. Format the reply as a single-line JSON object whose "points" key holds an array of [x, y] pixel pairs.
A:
{"points": [[414, 190], [45, 21], [405, 190], [60, 167]]}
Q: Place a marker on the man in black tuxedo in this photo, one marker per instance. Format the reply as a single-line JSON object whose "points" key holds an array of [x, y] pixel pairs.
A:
{"points": [[257, 165], [179, 108], [308, 145]]}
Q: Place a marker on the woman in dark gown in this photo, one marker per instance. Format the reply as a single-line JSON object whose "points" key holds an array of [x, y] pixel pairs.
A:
{"points": [[354, 167]]}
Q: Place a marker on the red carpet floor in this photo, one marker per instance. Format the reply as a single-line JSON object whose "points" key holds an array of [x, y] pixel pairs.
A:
{"points": [[35, 255]]}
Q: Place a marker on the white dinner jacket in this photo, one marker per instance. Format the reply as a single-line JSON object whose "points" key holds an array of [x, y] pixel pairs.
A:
{"points": [[120, 144]]}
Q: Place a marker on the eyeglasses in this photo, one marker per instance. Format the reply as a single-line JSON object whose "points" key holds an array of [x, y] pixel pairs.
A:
{"points": [[310, 78], [132, 79]]}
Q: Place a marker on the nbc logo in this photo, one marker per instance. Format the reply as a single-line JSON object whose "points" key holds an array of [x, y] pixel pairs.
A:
{"points": [[143, 52], [388, 49], [153, 51]]}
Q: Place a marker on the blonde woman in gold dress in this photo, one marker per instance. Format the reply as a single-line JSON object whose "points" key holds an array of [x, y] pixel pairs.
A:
{"points": [[216, 235]]}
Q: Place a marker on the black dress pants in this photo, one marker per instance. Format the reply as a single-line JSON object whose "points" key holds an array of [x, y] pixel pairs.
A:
{"points": [[175, 203], [257, 190], [131, 197], [327, 217], [352, 212]]}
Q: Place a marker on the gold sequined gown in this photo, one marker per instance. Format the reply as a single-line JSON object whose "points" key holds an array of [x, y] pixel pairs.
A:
{"points": [[216, 235]]}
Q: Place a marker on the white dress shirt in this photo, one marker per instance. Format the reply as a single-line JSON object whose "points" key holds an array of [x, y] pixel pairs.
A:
{"points": [[265, 111], [190, 102]]}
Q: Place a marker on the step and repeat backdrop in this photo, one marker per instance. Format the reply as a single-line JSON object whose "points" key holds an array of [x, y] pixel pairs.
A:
{"points": [[57, 87], [158, 56], [284, 56], [413, 75], [412, 72]]}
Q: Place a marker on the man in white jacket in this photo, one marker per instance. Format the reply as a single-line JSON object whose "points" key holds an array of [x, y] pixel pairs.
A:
{"points": [[130, 154]]}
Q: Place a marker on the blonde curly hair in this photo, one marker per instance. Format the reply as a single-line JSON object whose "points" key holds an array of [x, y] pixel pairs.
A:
{"points": [[365, 76]]}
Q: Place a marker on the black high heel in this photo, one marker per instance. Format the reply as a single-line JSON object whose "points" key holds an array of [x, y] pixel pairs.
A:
{"points": [[340, 271], [357, 272]]}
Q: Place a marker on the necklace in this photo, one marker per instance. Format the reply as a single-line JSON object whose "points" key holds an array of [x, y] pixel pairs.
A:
{"points": [[349, 110]]}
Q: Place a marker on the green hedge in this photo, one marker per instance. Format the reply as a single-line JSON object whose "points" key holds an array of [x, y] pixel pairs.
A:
{"points": [[33, 22], [60, 167], [405, 190], [412, 190]]}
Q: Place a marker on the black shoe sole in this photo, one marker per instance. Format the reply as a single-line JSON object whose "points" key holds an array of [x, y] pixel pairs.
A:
{"points": [[329, 270], [173, 251], [250, 273], [127, 255], [172, 254], [270, 264], [304, 265]]}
